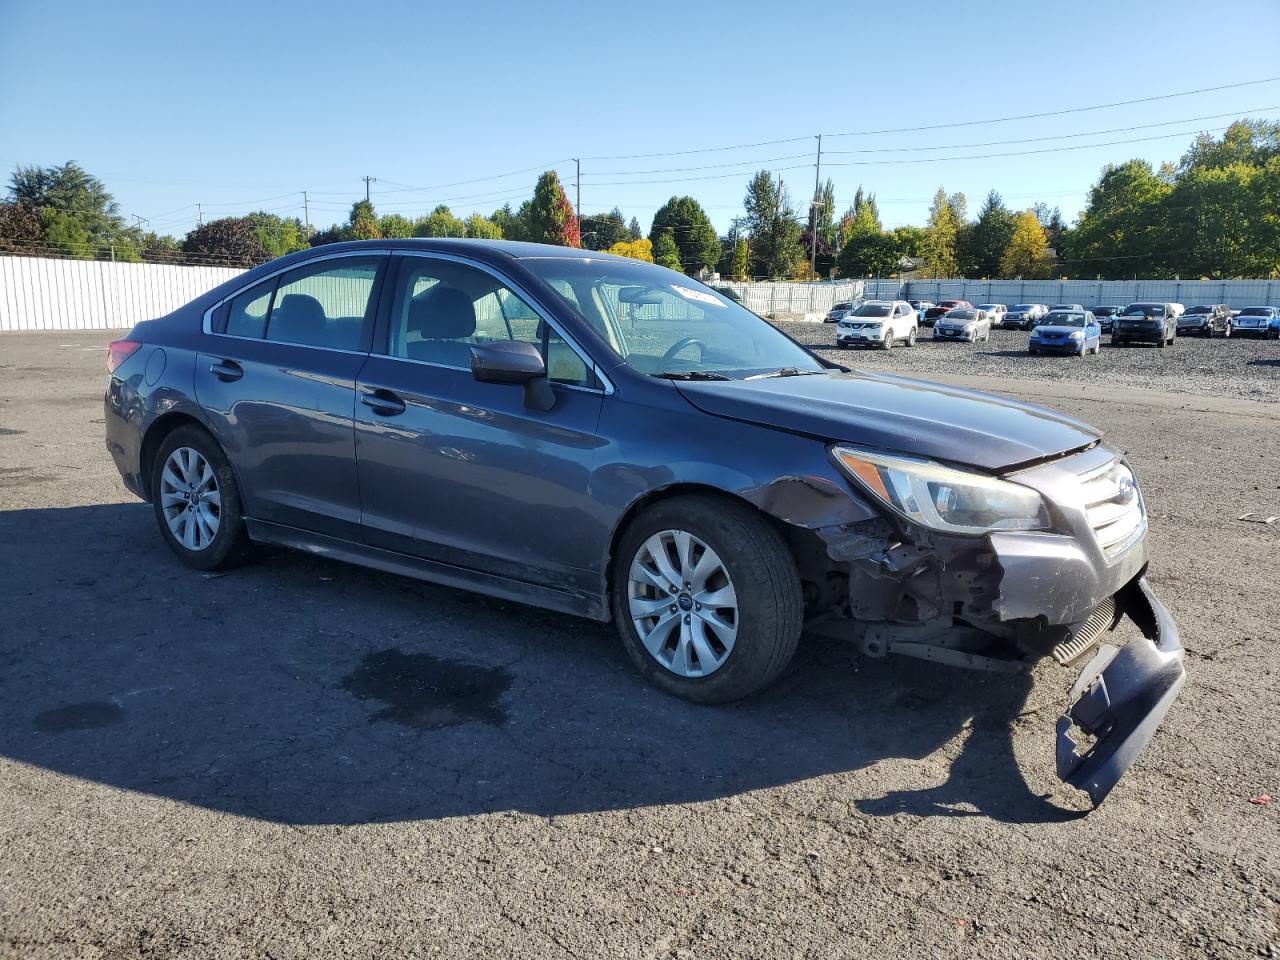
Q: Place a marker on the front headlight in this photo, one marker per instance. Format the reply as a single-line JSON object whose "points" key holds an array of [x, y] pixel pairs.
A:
{"points": [[943, 498], [1077, 335]]}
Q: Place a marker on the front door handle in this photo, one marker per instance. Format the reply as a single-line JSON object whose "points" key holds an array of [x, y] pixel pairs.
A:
{"points": [[226, 370], [382, 402]]}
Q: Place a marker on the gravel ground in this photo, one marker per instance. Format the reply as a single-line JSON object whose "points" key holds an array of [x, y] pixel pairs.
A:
{"points": [[1238, 367], [301, 758]]}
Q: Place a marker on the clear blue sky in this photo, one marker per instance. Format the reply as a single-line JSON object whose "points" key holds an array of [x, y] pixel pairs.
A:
{"points": [[241, 106]]}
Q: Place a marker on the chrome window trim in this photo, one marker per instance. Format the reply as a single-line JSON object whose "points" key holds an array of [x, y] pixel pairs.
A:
{"points": [[606, 387], [207, 320]]}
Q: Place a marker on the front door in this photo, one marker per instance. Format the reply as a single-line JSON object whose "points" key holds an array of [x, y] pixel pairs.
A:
{"points": [[277, 382], [463, 472]]}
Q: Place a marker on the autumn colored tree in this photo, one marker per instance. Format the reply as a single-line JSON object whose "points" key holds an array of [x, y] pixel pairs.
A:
{"points": [[1025, 258], [362, 224], [20, 230], [551, 216], [939, 246], [640, 249]]}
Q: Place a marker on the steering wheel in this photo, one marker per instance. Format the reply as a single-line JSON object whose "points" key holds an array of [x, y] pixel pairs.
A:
{"points": [[682, 344]]}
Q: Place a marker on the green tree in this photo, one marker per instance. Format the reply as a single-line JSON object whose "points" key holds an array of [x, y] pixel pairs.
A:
{"points": [[482, 228], [665, 251], [633, 228], [514, 224], [772, 226], [71, 202], [279, 235], [690, 227], [1024, 258], [600, 231], [741, 262], [909, 240], [551, 217], [362, 224], [394, 226], [1122, 231], [985, 243], [440, 223], [826, 215], [65, 234], [939, 246]]}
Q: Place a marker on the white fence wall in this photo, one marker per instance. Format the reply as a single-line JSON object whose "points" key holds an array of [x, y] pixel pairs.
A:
{"points": [[1090, 293], [793, 299], [47, 294]]}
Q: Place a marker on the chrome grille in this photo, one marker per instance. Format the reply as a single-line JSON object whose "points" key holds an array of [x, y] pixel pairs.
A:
{"points": [[1114, 508]]}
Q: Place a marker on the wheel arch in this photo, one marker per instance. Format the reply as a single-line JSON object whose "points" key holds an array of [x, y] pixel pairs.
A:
{"points": [[154, 438], [800, 541]]}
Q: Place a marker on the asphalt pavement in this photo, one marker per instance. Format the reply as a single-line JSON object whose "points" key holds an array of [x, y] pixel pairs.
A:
{"points": [[299, 758]]}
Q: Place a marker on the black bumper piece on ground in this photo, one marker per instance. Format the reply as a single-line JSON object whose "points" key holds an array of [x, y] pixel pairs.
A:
{"points": [[1121, 696]]}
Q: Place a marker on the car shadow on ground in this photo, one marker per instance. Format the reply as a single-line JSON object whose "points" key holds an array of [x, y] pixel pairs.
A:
{"points": [[300, 690]]}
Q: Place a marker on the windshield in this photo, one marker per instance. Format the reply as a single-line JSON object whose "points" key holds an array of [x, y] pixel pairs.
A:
{"points": [[1199, 310], [1105, 311], [989, 306], [1144, 310], [1256, 312], [662, 322], [843, 306], [874, 310], [1023, 306], [1064, 319], [961, 313]]}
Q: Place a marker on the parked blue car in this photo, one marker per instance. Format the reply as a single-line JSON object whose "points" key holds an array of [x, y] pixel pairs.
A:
{"points": [[1067, 331]]}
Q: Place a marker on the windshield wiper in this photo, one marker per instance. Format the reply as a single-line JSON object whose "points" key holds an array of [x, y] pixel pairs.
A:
{"points": [[785, 372], [690, 375]]}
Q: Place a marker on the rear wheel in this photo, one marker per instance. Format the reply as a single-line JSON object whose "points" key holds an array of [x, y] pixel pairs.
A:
{"points": [[197, 501], [706, 598], [911, 337]]}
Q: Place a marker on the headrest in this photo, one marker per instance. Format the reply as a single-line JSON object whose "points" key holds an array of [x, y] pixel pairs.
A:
{"points": [[442, 313]]}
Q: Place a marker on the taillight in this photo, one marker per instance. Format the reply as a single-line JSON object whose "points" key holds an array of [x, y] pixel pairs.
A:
{"points": [[118, 351]]}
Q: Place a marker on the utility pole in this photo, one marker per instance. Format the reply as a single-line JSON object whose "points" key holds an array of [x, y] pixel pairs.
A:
{"points": [[813, 213], [199, 215], [577, 201], [306, 212], [367, 181], [139, 221]]}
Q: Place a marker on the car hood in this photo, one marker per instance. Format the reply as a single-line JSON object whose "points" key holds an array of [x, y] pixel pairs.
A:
{"points": [[1055, 328], [898, 414]]}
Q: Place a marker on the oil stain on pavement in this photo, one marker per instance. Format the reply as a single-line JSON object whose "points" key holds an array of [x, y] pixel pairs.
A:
{"points": [[429, 693], [92, 715]]}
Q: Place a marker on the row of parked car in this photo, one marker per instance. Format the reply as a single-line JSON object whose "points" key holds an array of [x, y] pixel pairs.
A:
{"points": [[1064, 327]]}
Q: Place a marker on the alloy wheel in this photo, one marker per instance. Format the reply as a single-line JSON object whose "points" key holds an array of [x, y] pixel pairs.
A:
{"points": [[190, 498], [683, 603]]}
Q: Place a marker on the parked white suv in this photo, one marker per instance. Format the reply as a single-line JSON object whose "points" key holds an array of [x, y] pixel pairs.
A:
{"points": [[879, 323]]}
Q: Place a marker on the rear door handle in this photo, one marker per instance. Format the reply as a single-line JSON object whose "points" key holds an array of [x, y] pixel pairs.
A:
{"points": [[226, 370], [382, 402]]}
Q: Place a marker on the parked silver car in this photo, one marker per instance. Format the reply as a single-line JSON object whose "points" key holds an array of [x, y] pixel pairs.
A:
{"points": [[1024, 316], [970, 324]]}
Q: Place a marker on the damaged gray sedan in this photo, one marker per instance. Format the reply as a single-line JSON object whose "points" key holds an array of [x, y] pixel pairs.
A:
{"points": [[614, 440]]}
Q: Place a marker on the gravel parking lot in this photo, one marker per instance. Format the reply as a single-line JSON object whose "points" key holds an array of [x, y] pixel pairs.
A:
{"points": [[300, 758], [1241, 367]]}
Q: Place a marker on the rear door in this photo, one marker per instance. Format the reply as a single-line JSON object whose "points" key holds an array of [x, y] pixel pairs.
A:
{"points": [[277, 382]]}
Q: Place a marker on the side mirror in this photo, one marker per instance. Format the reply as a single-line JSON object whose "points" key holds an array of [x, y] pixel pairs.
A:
{"points": [[514, 361]]}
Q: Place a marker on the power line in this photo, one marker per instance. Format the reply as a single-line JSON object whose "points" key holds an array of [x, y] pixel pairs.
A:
{"points": [[1057, 113]]}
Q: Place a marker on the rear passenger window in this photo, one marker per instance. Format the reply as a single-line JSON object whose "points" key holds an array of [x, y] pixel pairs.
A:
{"points": [[247, 313], [325, 305]]}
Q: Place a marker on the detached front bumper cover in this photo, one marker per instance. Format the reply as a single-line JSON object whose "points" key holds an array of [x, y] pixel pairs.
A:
{"points": [[1121, 696]]}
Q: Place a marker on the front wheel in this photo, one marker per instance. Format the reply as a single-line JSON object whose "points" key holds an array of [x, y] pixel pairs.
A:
{"points": [[706, 598], [911, 337], [887, 343], [197, 501]]}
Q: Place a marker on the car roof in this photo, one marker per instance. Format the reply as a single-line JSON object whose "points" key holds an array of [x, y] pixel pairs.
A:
{"points": [[480, 249]]}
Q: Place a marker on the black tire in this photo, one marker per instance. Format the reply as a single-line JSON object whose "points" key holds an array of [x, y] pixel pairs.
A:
{"points": [[841, 346], [911, 337], [1034, 351], [888, 342], [770, 602], [230, 544]]}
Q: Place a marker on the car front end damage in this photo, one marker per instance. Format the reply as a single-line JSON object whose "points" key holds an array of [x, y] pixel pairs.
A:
{"points": [[1004, 599]]}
